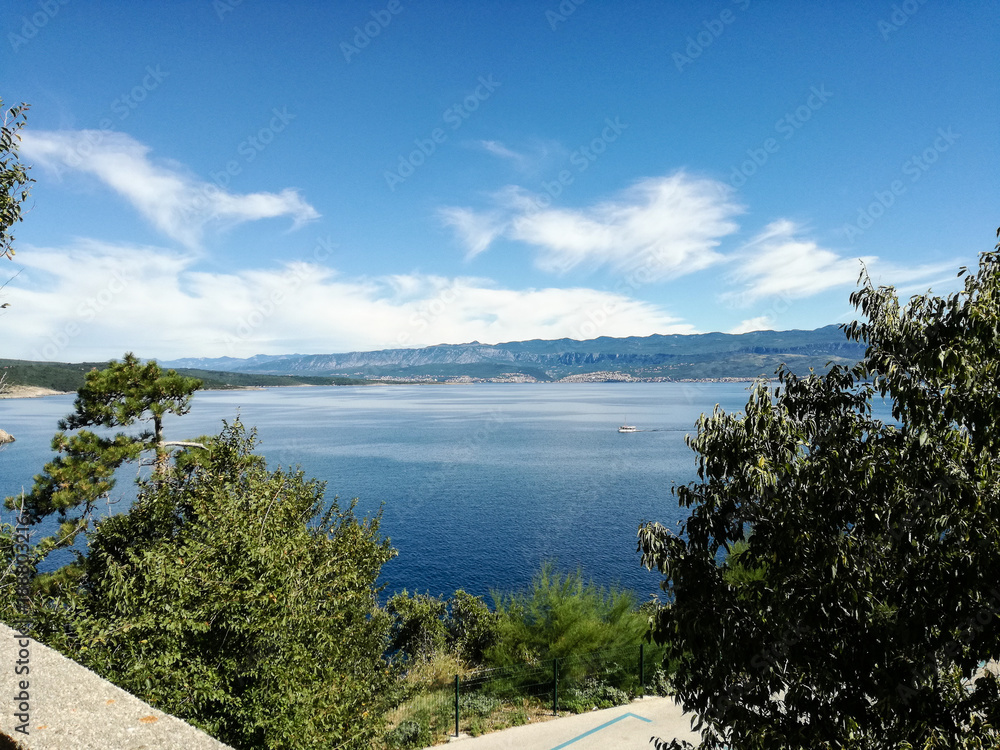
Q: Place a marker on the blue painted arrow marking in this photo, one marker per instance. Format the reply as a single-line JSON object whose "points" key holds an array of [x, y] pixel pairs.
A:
{"points": [[605, 725]]}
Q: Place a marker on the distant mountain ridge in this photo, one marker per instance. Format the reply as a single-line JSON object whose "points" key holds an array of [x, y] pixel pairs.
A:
{"points": [[659, 356]]}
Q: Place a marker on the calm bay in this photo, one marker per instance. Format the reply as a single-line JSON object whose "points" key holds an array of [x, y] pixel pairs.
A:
{"points": [[479, 483]]}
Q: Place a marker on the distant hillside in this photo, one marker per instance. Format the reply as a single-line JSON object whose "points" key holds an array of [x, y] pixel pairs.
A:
{"points": [[709, 355], [62, 376]]}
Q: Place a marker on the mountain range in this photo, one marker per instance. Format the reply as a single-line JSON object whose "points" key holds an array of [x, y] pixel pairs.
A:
{"points": [[656, 357]]}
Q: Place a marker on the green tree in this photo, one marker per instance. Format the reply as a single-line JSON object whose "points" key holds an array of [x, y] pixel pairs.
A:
{"points": [[14, 180], [418, 624], [562, 615], [14, 192], [859, 610], [124, 393], [424, 626], [238, 599]]}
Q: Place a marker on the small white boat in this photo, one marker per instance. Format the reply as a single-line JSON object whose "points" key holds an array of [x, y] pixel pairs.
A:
{"points": [[628, 427]]}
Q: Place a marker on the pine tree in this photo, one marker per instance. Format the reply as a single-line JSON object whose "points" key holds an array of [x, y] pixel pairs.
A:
{"points": [[74, 482]]}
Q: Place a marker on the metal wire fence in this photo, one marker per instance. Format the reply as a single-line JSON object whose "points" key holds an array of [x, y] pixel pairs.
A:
{"points": [[489, 699]]}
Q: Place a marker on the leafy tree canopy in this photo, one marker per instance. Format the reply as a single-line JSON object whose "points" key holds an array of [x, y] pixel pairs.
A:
{"points": [[858, 612], [124, 393], [238, 599], [14, 180]]}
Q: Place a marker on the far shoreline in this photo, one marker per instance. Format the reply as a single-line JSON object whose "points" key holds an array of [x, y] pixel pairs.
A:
{"points": [[32, 391]]}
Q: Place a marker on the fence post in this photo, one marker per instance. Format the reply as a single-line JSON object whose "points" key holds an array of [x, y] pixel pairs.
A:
{"points": [[555, 687], [456, 706], [642, 673]]}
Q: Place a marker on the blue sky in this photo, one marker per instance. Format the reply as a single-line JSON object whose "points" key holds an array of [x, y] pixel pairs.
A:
{"points": [[232, 178]]}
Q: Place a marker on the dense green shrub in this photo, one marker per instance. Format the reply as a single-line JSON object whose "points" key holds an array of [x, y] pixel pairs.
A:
{"points": [[560, 615], [230, 598], [418, 627], [593, 694], [478, 704], [473, 628], [409, 734], [424, 626]]}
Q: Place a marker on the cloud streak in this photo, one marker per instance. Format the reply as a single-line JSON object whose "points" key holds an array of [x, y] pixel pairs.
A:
{"points": [[779, 262], [676, 221], [178, 204], [96, 300]]}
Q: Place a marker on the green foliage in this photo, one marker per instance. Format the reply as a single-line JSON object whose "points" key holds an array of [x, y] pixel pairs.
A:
{"points": [[19, 560], [424, 626], [409, 734], [118, 396], [563, 615], [478, 705], [473, 628], [229, 597], [418, 628], [736, 570], [863, 603], [63, 376], [661, 683], [593, 694], [14, 180]]}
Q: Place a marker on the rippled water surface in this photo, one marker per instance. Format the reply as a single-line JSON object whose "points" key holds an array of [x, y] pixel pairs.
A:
{"points": [[480, 483]]}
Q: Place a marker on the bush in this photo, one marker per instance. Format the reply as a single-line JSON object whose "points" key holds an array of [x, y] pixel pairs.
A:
{"points": [[594, 694], [660, 684], [418, 628], [472, 628], [425, 625], [409, 734], [238, 599], [562, 615], [478, 705]]}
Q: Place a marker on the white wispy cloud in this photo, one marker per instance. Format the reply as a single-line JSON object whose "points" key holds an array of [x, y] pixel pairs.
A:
{"points": [[780, 262], [475, 229], [498, 149], [530, 158], [95, 300], [666, 226], [177, 203]]}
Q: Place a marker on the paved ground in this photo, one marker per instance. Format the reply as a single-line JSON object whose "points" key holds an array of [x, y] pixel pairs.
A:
{"points": [[628, 726], [71, 708]]}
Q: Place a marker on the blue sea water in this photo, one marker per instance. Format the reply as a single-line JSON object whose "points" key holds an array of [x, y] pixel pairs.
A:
{"points": [[479, 484]]}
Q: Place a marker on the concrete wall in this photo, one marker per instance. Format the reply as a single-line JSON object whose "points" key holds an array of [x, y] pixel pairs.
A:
{"points": [[71, 708]]}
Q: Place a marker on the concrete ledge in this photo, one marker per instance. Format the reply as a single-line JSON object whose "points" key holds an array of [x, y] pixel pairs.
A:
{"points": [[71, 708]]}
